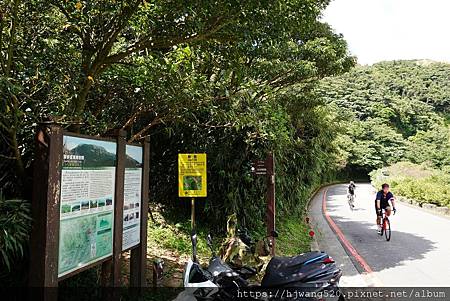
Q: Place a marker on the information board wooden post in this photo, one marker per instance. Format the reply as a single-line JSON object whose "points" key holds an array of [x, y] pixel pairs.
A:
{"points": [[45, 211], [118, 210], [138, 260]]}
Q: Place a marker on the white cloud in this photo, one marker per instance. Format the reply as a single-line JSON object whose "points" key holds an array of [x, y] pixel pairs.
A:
{"points": [[378, 30]]}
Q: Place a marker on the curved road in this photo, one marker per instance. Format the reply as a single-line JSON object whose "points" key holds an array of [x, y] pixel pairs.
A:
{"points": [[417, 255]]}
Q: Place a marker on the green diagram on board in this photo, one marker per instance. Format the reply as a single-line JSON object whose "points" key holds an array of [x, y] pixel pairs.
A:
{"points": [[84, 239]]}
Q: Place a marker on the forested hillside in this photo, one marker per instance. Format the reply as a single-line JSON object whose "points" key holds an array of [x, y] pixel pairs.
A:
{"points": [[392, 111], [395, 121]]}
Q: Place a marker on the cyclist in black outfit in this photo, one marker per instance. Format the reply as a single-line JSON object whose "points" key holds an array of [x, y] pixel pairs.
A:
{"points": [[351, 194], [351, 188], [384, 196]]}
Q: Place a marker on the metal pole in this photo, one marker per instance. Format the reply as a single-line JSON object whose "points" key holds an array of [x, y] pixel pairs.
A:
{"points": [[193, 213]]}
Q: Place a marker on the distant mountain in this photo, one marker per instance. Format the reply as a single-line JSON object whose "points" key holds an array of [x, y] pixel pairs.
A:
{"points": [[392, 111], [131, 163], [426, 62], [94, 155], [98, 156]]}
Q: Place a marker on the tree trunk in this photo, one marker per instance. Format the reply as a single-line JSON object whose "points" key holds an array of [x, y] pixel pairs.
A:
{"points": [[80, 105]]}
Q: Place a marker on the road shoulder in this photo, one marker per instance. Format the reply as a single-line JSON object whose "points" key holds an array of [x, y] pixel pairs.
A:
{"points": [[326, 240]]}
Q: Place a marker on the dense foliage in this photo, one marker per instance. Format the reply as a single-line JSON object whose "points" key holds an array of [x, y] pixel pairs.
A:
{"points": [[233, 79], [396, 119], [15, 225], [417, 183], [393, 111]]}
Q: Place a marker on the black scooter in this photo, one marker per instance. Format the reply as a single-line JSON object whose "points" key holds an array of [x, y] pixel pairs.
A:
{"points": [[314, 272], [312, 275]]}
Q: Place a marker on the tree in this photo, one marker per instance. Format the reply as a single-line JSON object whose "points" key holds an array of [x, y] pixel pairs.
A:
{"points": [[243, 70], [392, 111]]}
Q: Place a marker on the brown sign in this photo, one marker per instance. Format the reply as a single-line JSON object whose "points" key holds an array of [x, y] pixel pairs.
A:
{"points": [[62, 204], [267, 168], [259, 168]]}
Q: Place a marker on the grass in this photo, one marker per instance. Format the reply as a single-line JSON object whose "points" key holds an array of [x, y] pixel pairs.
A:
{"points": [[175, 237], [293, 236]]}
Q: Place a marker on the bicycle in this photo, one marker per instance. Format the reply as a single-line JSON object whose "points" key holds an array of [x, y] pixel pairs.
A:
{"points": [[385, 226], [351, 201]]}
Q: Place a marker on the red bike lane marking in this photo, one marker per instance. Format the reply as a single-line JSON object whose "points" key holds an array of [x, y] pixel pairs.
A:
{"points": [[342, 237]]}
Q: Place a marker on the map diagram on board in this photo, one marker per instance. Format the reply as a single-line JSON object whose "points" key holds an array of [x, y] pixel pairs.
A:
{"points": [[87, 202]]}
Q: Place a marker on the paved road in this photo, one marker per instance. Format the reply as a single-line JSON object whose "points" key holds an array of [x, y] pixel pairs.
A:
{"points": [[417, 255]]}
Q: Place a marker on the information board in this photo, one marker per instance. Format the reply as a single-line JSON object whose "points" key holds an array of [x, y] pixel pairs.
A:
{"points": [[192, 175], [132, 197], [87, 202]]}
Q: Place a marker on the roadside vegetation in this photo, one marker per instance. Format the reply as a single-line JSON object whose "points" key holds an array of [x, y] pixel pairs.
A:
{"points": [[396, 120], [418, 184], [171, 242]]}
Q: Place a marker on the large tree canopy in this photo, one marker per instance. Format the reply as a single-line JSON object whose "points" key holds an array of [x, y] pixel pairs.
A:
{"points": [[234, 79]]}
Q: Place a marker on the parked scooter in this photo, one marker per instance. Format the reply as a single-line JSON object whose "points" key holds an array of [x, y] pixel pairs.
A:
{"points": [[313, 272], [217, 282]]}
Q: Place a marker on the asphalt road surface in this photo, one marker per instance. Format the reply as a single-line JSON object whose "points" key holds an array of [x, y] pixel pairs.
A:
{"points": [[418, 253]]}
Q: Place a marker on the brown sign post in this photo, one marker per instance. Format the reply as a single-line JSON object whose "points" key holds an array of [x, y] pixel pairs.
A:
{"points": [[267, 168], [45, 210], [138, 261], [51, 155]]}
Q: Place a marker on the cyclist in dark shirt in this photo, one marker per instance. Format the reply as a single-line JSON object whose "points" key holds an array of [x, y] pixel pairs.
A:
{"points": [[351, 194], [351, 188], [384, 196]]}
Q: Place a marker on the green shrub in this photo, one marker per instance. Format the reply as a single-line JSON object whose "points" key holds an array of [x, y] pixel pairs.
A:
{"points": [[415, 182], [15, 225], [15, 222]]}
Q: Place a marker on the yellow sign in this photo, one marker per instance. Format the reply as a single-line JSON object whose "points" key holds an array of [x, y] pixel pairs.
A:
{"points": [[192, 175]]}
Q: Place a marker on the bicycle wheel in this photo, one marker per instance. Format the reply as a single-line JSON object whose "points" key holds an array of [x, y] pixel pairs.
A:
{"points": [[387, 229], [350, 200]]}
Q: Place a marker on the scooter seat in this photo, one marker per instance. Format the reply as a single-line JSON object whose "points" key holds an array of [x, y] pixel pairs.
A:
{"points": [[285, 270], [302, 259], [217, 267]]}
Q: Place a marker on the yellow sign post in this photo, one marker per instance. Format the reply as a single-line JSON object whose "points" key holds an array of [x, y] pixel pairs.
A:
{"points": [[192, 178]]}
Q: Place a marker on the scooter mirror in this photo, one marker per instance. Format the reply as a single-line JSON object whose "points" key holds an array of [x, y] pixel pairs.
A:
{"points": [[194, 238], [209, 240], [194, 245], [210, 244]]}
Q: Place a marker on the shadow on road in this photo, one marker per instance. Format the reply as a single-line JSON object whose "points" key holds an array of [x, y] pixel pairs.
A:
{"points": [[378, 253]]}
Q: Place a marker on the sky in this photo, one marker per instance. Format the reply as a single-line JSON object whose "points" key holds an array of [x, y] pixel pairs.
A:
{"points": [[135, 152], [380, 30]]}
